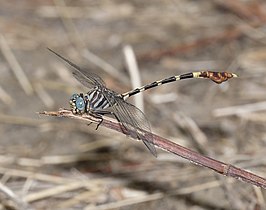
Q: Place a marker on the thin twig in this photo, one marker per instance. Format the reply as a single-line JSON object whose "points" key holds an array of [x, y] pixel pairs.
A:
{"points": [[36, 176], [56, 190], [200, 140], [126, 202], [225, 36], [77, 41], [15, 66], [198, 137], [87, 196], [44, 96], [5, 97], [240, 110], [20, 204], [244, 10], [133, 70], [194, 157]]}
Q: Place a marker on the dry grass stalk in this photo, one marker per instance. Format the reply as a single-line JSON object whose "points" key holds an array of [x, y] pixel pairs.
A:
{"points": [[194, 157], [15, 66]]}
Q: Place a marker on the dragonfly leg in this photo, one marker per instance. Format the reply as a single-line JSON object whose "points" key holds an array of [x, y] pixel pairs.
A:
{"points": [[89, 123], [98, 124], [98, 114]]}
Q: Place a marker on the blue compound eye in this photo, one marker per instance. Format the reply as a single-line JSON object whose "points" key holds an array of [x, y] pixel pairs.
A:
{"points": [[80, 104], [74, 96]]}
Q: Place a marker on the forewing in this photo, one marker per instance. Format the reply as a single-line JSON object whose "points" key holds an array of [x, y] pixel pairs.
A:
{"points": [[86, 78], [134, 120]]}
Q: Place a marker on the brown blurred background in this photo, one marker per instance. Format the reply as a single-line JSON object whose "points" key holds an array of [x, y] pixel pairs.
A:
{"points": [[51, 163]]}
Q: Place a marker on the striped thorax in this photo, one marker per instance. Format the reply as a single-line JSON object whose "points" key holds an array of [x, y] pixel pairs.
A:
{"points": [[97, 100], [93, 101]]}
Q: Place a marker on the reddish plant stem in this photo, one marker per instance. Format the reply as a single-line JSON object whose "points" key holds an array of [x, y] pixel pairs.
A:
{"points": [[194, 157], [225, 36], [252, 12]]}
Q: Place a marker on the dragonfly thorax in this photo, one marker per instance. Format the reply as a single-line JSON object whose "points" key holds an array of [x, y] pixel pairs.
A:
{"points": [[96, 100], [93, 101]]}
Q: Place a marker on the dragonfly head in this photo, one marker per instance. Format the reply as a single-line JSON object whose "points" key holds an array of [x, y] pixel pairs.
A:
{"points": [[78, 103]]}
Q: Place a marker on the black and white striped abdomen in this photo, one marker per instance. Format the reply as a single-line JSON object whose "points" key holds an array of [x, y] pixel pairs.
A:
{"points": [[97, 100]]}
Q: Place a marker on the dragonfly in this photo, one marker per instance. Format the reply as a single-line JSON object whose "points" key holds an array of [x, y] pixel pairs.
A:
{"points": [[100, 100]]}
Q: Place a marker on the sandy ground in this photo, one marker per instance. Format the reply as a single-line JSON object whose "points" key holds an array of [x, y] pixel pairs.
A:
{"points": [[55, 163]]}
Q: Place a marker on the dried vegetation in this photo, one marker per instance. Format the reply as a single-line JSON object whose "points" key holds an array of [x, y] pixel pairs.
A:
{"points": [[50, 163]]}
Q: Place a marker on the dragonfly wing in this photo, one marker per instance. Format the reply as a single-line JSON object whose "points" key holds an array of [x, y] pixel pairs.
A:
{"points": [[86, 78], [133, 120]]}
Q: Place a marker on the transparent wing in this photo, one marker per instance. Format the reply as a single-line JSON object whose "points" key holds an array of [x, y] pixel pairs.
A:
{"points": [[86, 78], [133, 120]]}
